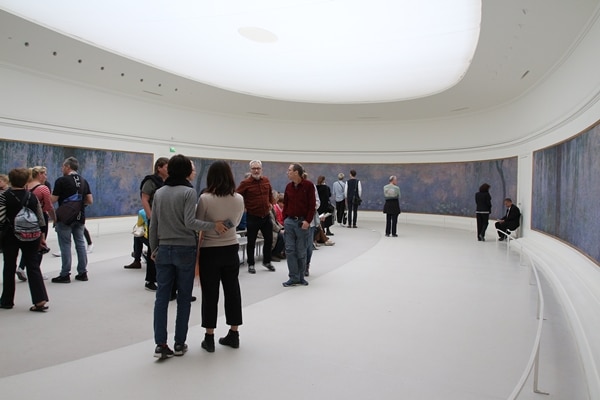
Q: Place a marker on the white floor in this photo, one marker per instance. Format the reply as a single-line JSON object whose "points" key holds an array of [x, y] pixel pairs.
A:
{"points": [[433, 314]]}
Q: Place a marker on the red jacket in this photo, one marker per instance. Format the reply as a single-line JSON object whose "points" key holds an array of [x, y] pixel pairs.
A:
{"points": [[257, 194]]}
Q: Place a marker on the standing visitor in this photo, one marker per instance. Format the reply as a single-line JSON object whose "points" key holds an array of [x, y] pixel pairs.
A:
{"points": [[483, 201], [353, 193], [71, 187], [299, 208], [391, 208], [219, 257]]}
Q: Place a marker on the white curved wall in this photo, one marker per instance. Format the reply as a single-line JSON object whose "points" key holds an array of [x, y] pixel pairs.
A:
{"points": [[37, 108]]}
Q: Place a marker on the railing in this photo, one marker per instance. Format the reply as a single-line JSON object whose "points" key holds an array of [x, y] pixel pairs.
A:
{"points": [[534, 358], [508, 237]]}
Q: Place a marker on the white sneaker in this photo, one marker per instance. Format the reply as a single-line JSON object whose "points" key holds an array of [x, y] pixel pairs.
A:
{"points": [[90, 248], [21, 274], [56, 253]]}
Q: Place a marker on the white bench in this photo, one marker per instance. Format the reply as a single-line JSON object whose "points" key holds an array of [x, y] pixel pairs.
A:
{"points": [[243, 242]]}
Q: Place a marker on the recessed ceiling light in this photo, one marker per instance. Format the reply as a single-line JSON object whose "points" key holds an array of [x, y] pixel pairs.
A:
{"points": [[351, 51]]}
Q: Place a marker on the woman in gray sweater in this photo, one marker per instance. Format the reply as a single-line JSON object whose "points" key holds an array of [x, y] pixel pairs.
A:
{"points": [[174, 238]]}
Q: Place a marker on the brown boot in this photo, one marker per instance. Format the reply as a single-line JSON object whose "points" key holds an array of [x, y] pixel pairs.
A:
{"points": [[136, 264]]}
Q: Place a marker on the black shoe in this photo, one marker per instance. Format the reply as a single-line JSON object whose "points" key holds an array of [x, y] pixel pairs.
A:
{"points": [[289, 283], [82, 277], [251, 269], [151, 286], [180, 349], [394, 235], [501, 238], [208, 343], [304, 282], [21, 275], [329, 233], [354, 226], [136, 264], [62, 279], [174, 297], [269, 266], [163, 351], [6, 307], [232, 339]]}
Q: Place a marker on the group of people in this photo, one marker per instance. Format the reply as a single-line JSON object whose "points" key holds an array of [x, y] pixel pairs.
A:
{"points": [[509, 222], [29, 188], [187, 235], [181, 225]]}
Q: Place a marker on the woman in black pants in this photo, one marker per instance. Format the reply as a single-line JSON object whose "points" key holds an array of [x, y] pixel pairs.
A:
{"points": [[483, 200], [219, 259], [11, 201]]}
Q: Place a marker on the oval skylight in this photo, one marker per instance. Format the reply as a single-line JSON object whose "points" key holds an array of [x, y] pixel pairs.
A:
{"points": [[321, 51]]}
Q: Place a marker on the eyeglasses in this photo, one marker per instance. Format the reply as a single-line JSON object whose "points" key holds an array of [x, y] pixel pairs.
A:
{"points": [[255, 168]]}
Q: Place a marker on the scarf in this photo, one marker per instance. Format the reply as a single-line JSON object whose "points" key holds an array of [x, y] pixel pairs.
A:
{"points": [[178, 182]]}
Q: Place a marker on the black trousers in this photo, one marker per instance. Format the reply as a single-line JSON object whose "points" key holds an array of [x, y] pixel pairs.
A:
{"points": [[340, 208], [253, 225], [391, 224], [32, 258], [482, 224], [352, 212], [503, 226], [220, 265]]}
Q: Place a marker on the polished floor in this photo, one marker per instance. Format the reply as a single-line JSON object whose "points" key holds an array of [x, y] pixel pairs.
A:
{"points": [[432, 314]]}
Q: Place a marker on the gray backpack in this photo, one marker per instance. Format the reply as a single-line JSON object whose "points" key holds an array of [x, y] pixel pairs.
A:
{"points": [[26, 224]]}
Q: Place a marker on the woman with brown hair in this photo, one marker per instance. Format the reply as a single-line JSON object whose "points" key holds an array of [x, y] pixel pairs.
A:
{"points": [[483, 201], [11, 202], [39, 187], [219, 258]]}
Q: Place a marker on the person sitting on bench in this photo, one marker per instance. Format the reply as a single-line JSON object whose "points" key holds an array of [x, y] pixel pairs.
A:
{"points": [[511, 220]]}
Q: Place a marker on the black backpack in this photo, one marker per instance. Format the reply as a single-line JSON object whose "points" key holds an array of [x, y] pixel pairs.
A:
{"points": [[158, 182]]}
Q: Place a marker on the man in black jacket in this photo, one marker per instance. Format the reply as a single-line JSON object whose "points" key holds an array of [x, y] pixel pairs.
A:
{"points": [[511, 220]]}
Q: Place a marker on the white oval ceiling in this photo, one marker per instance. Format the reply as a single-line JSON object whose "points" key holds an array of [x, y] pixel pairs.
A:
{"points": [[328, 51]]}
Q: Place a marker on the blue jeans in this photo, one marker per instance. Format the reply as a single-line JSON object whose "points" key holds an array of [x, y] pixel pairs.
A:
{"points": [[174, 263], [310, 240], [64, 233], [296, 239]]}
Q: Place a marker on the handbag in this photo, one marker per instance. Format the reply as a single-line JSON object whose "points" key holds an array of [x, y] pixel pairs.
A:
{"points": [[139, 230], [70, 209], [330, 208], [69, 212]]}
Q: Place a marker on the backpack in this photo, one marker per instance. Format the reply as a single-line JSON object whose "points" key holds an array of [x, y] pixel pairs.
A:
{"points": [[26, 225], [158, 183]]}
